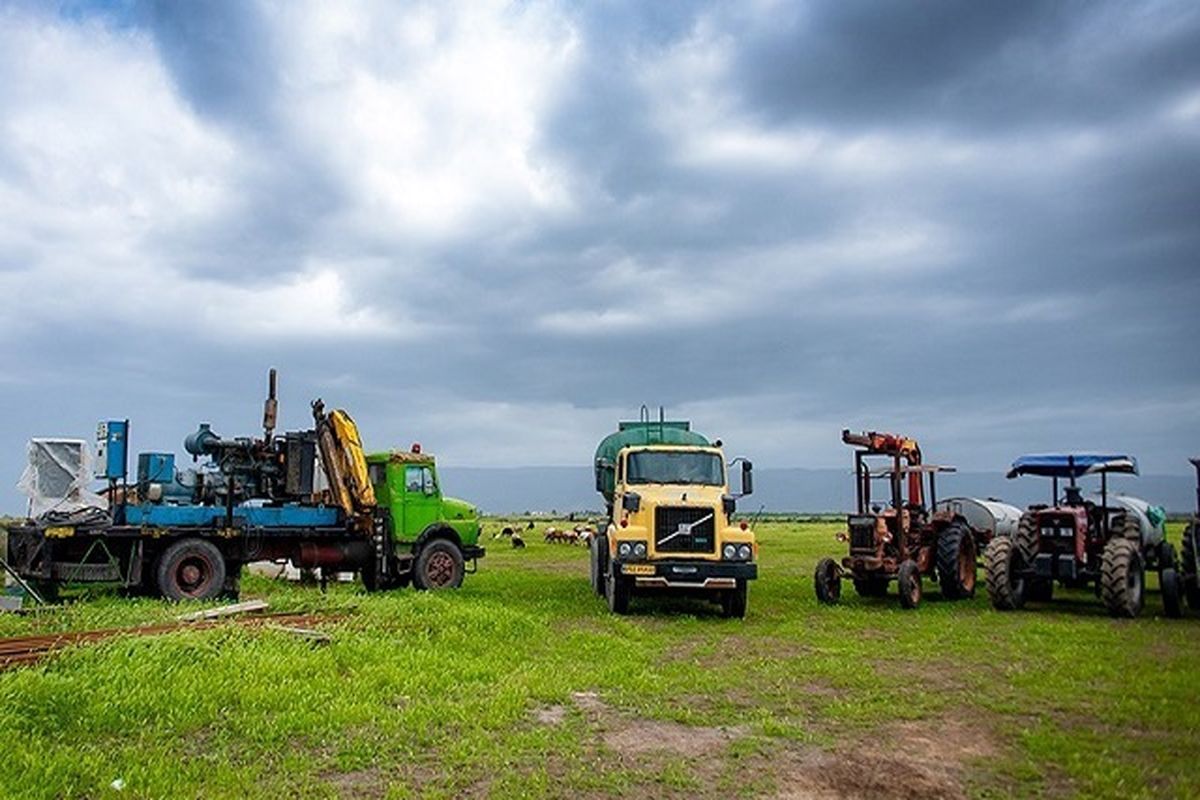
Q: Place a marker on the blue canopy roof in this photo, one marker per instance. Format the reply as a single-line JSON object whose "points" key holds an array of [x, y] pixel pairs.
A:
{"points": [[1072, 465]]}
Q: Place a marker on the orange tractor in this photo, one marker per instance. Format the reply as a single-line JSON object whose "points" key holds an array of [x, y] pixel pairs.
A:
{"points": [[904, 537]]}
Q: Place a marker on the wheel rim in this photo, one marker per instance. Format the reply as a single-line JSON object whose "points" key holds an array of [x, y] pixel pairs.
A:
{"points": [[193, 574], [440, 569]]}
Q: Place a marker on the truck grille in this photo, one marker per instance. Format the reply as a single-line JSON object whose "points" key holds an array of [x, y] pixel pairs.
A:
{"points": [[686, 531]]}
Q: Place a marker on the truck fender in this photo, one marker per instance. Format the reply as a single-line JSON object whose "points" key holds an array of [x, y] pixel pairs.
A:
{"points": [[437, 532]]}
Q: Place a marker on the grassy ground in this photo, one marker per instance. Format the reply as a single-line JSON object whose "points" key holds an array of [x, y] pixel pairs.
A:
{"points": [[521, 684]]}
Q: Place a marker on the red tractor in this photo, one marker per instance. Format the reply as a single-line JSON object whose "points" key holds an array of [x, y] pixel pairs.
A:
{"points": [[1076, 542], [902, 540]]}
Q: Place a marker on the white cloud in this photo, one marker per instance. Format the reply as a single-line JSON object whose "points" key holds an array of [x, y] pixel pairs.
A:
{"points": [[429, 114]]}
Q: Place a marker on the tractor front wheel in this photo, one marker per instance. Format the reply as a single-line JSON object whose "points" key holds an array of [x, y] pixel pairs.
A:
{"points": [[1122, 578], [1002, 561], [1168, 580], [827, 581], [908, 580], [956, 562]]}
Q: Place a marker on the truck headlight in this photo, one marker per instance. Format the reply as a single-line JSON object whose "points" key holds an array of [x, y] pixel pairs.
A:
{"points": [[729, 551], [624, 549], [744, 552], [639, 550]]}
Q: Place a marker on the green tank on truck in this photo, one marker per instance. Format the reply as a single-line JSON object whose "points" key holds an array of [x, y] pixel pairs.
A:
{"points": [[433, 536], [670, 521]]}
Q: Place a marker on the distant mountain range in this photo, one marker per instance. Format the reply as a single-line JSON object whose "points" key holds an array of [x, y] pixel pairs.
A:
{"points": [[517, 490]]}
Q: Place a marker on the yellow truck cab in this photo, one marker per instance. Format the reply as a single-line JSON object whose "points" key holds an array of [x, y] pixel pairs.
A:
{"points": [[670, 520]]}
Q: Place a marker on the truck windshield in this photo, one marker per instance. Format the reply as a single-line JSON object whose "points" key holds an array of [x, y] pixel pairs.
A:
{"points": [[664, 466]]}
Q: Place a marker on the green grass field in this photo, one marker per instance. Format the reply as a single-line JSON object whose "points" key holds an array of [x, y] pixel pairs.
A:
{"points": [[522, 685]]}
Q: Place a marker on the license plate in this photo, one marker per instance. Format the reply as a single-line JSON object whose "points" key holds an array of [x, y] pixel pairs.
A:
{"points": [[59, 532], [638, 569]]}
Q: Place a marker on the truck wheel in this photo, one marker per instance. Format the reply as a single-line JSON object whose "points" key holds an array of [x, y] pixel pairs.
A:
{"points": [[909, 582], [598, 554], [956, 562], [618, 590], [872, 586], [1002, 561], [1122, 578], [439, 566], [827, 581], [1188, 572], [733, 601], [191, 569]]}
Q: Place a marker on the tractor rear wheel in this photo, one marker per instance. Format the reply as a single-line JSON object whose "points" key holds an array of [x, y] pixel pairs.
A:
{"points": [[1125, 526], [827, 581], [1122, 578], [908, 580], [872, 586], [1002, 561], [1027, 536], [956, 562], [1188, 573]]}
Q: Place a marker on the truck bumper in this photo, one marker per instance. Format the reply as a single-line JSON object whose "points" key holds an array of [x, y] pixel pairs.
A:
{"points": [[472, 551], [687, 574]]}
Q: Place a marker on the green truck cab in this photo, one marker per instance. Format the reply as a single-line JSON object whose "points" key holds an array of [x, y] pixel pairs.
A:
{"points": [[432, 536]]}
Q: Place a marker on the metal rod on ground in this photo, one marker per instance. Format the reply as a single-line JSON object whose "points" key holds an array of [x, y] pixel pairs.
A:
{"points": [[21, 582]]}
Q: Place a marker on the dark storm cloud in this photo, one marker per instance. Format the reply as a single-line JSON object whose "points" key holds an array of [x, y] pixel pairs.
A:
{"points": [[980, 66], [221, 55]]}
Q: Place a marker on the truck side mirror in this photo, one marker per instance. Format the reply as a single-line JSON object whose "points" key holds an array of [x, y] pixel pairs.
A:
{"points": [[604, 468], [631, 502], [747, 478]]}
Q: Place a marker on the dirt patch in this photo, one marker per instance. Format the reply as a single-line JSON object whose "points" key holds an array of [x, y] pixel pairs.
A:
{"points": [[912, 759], [361, 784], [637, 737], [814, 774], [549, 715], [588, 701]]}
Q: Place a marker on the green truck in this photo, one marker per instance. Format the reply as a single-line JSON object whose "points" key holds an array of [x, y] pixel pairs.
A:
{"points": [[432, 535], [670, 518]]}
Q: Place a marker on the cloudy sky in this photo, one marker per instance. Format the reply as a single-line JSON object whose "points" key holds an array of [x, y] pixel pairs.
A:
{"points": [[497, 227]]}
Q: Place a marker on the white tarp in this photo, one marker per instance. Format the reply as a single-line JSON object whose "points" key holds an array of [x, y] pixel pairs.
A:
{"points": [[57, 477]]}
